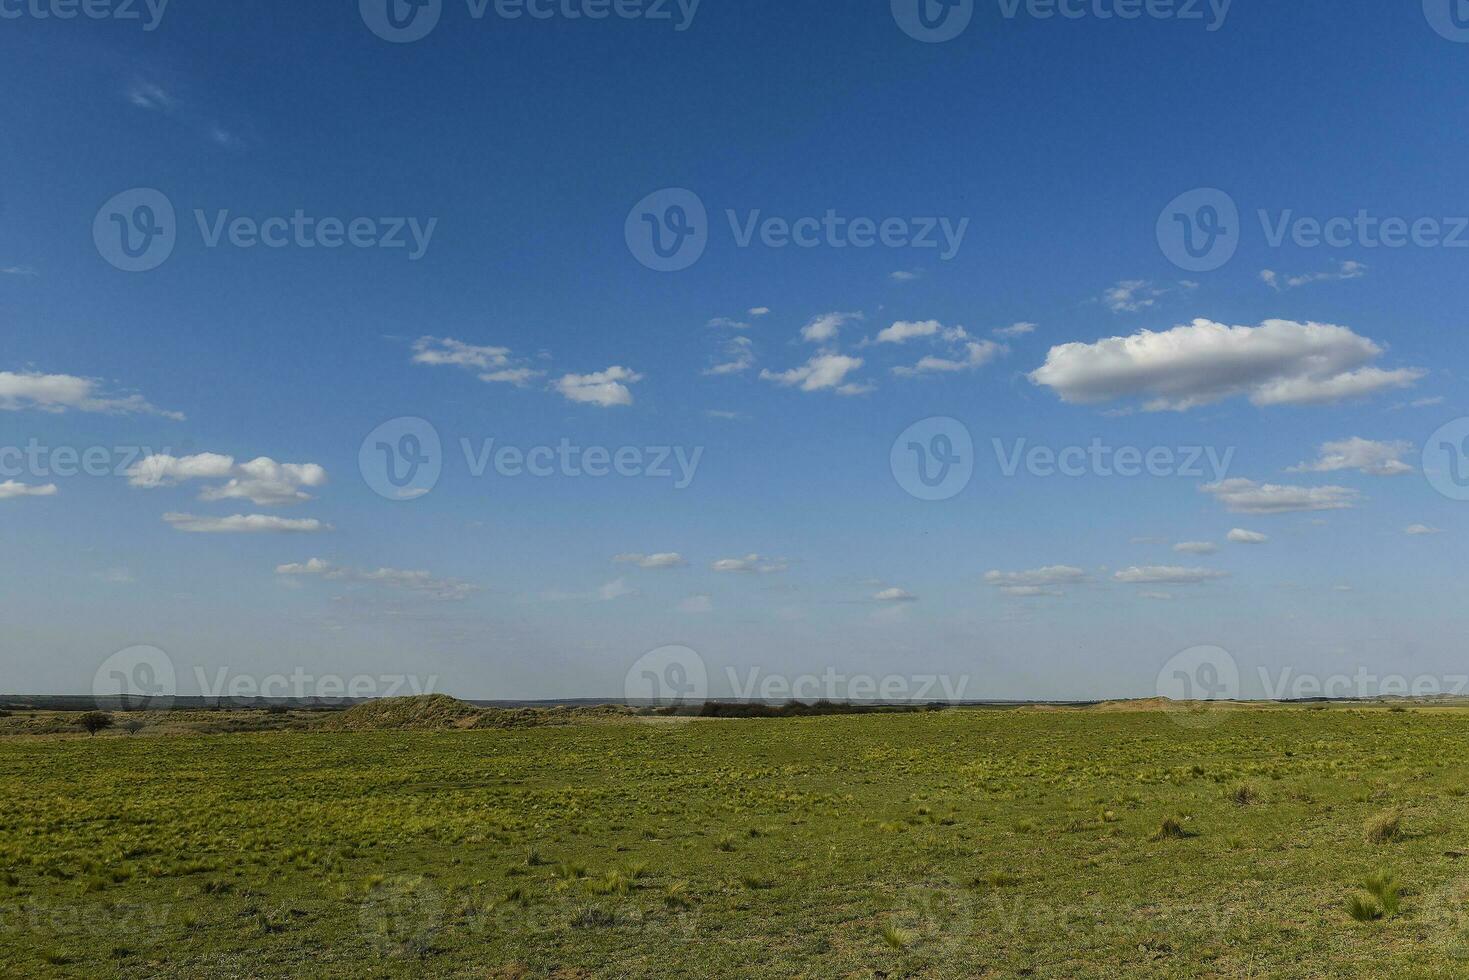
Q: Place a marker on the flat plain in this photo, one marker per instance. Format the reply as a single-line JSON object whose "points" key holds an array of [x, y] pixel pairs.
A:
{"points": [[1241, 842]]}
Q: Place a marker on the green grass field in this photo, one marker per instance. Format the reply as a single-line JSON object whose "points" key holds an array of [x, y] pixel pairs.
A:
{"points": [[962, 843]]}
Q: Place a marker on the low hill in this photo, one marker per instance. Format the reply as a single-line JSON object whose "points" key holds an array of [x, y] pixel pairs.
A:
{"points": [[425, 712]]}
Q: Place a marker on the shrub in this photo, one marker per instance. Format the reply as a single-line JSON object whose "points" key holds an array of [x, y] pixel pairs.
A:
{"points": [[93, 722], [1384, 828], [1244, 794], [1170, 829]]}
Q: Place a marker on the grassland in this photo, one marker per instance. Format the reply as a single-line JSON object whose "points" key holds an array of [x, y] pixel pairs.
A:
{"points": [[1281, 843]]}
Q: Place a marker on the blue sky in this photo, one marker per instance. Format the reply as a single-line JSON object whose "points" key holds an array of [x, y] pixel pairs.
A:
{"points": [[525, 144]]}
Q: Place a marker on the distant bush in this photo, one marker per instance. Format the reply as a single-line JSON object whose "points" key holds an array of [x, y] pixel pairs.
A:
{"points": [[132, 726], [93, 722]]}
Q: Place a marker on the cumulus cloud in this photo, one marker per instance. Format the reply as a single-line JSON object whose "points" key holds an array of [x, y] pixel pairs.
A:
{"points": [[975, 354], [903, 331], [490, 364], [261, 481], [1243, 496], [244, 524], [1015, 330], [64, 392], [737, 356], [665, 559], [751, 564], [11, 490], [1196, 547], [605, 388], [1167, 575], [1342, 272], [895, 595], [1421, 530], [824, 372], [759, 311], [1364, 455], [824, 329], [1279, 362], [394, 578], [1240, 536]]}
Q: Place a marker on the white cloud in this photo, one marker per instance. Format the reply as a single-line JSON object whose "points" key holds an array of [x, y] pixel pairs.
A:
{"points": [[1050, 575], [1279, 362], [147, 95], [820, 373], [1240, 536], [904, 330], [64, 392], [697, 605], [1135, 295], [666, 559], [719, 413], [1029, 591], [895, 595], [615, 589], [412, 581], [1243, 496], [262, 481], [906, 275], [1015, 330], [759, 311], [491, 364], [1372, 458], [1343, 271], [605, 388], [244, 524], [727, 323], [1419, 530], [977, 354], [1167, 575], [751, 563], [10, 490], [738, 357], [824, 328], [1196, 547], [25, 271]]}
